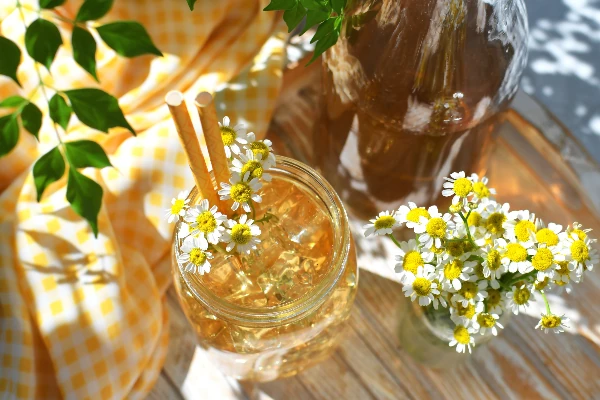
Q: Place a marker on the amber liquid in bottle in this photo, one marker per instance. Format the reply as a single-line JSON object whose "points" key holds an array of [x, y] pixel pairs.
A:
{"points": [[412, 91]]}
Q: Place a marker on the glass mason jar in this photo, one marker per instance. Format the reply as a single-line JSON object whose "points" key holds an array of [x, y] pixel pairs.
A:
{"points": [[412, 91], [425, 334], [282, 308]]}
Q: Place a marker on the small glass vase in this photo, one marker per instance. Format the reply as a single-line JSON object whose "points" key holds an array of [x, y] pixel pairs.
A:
{"points": [[425, 334]]}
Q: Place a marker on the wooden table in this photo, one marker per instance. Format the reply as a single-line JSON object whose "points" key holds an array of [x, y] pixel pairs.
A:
{"points": [[532, 170]]}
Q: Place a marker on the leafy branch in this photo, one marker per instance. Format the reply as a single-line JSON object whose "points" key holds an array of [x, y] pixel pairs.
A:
{"points": [[93, 107], [328, 14]]}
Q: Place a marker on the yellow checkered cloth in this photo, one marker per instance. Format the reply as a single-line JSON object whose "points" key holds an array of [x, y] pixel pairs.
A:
{"points": [[85, 318]]}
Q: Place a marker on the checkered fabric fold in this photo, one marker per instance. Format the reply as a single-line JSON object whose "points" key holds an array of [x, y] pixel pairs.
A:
{"points": [[82, 317]]}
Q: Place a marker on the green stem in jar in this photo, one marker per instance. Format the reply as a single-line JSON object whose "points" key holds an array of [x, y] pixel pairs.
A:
{"points": [[391, 236]]}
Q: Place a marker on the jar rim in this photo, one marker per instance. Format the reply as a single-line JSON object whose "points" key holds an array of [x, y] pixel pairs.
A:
{"points": [[312, 181]]}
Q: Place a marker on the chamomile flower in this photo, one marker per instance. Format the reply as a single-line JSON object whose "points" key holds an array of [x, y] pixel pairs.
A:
{"points": [[410, 258], [563, 277], [251, 163], [421, 286], [496, 217], [518, 299], [466, 315], [544, 260], [462, 338], [178, 207], [434, 229], [242, 191], [381, 225], [495, 301], [493, 269], [241, 235], [514, 256], [411, 215], [233, 137], [264, 148], [580, 253], [480, 187], [470, 292], [455, 271], [206, 221], [194, 256], [520, 227], [552, 323], [582, 234], [549, 236], [457, 185], [487, 322]]}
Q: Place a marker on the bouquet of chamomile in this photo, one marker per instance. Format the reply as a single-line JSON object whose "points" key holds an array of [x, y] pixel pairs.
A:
{"points": [[480, 259], [205, 229]]}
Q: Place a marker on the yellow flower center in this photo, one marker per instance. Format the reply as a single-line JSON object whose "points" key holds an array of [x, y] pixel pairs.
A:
{"points": [[436, 250], [479, 271], [563, 268], [228, 135], [385, 222], [523, 230], [547, 237], [559, 282], [551, 321], [494, 223], [241, 234], [416, 213], [521, 296], [254, 167], [542, 260], [486, 320], [474, 219], [468, 290], [455, 249], [580, 251], [240, 192], [493, 259], [452, 270], [462, 187], [206, 222], [580, 234], [481, 190], [422, 286], [467, 311], [412, 261], [541, 285], [260, 148], [493, 297], [177, 206], [436, 227], [515, 252], [461, 334], [197, 257]]}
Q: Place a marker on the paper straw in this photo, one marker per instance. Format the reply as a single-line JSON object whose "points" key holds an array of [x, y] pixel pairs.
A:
{"points": [[191, 146], [212, 135]]}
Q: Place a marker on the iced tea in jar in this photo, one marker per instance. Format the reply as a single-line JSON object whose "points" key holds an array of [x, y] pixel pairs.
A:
{"points": [[281, 308]]}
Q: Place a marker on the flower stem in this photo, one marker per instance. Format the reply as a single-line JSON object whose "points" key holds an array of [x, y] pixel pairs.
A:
{"points": [[462, 216], [548, 312], [253, 209], [391, 236]]}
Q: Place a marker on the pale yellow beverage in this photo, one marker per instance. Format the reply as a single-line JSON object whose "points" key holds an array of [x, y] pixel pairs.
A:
{"points": [[282, 308]]}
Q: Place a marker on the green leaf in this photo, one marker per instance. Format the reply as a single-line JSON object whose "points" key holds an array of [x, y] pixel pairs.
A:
{"points": [[191, 4], [338, 5], [42, 40], [280, 5], [47, 4], [13, 101], [60, 111], [9, 133], [85, 197], [31, 117], [320, 5], [84, 50], [293, 16], [314, 17], [328, 40], [48, 169], [326, 28], [128, 39], [10, 60], [92, 10], [86, 153], [97, 109]]}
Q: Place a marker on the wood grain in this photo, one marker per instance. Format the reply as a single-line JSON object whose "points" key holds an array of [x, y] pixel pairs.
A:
{"points": [[521, 363]]}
